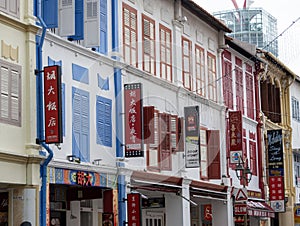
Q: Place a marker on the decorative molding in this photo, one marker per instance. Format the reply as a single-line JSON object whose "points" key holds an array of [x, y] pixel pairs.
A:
{"points": [[9, 52]]}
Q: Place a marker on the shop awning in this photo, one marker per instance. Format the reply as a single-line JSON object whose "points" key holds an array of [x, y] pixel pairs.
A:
{"points": [[259, 209], [206, 190]]}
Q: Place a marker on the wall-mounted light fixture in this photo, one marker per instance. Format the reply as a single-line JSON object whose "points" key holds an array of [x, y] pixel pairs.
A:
{"points": [[73, 158], [97, 162]]}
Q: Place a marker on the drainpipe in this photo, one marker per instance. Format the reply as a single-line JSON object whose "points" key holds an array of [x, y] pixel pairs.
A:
{"points": [[118, 106], [40, 118]]}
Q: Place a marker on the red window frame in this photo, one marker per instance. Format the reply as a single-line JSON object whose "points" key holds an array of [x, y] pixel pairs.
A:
{"points": [[213, 154], [186, 69], [130, 29], [165, 38], [212, 77], [200, 70], [149, 54], [227, 80], [249, 91], [239, 85]]}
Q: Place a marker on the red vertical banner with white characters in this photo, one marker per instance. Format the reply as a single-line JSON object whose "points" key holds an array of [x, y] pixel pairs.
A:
{"points": [[52, 104], [134, 209], [235, 135], [133, 120]]}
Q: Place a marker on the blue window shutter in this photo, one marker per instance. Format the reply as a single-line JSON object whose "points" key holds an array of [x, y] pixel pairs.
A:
{"points": [[79, 21], [50, 13], [80, 124], [103, 26], [63, 107], [80, 74], [104, 121]]}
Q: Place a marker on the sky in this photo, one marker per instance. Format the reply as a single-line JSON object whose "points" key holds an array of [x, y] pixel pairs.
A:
{"points": [[287, 12]]}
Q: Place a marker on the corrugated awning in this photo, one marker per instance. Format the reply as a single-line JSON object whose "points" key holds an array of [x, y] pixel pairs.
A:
{"points": [[259, 209]]}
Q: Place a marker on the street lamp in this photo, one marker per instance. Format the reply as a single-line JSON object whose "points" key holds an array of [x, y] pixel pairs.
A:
{"points": [[243, 173]]}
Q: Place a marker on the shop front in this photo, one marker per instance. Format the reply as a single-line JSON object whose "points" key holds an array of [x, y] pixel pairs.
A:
{"points": [[81, 198]]}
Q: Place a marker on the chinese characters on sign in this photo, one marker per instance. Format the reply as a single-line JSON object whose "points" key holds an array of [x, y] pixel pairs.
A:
{"points": [[276, 169], [83, 179], [235, 130], [52, 104], [133, 120], [134, 209], [192, 140]]}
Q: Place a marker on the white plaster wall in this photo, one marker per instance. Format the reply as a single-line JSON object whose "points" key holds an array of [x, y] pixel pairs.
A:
{"points": [[59, 49], [295, 87]]}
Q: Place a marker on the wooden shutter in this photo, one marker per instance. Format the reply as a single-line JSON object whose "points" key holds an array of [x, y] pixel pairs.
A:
{"points": [[66, 17], [103, 26], [4, 101], [153, 154], [92, 23], [148, 112], [174, 132], [165, 142], [79, 20], [180, 131], [11, 7], [213, 152], [104, 121], [50, 13], [80, 124], [253, 163]]}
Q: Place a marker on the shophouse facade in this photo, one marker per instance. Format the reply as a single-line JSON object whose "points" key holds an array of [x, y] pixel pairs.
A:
{"points": [[165, 60], [295, 144], [241, 72], [275, 91], [19, 154]]}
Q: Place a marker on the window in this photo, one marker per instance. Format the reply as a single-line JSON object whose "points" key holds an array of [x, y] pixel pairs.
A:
{"points": [[249, 91], [212, 77], [130, 35], [104, 121], [81, 124], [200, 73], [297, 169], [203, 154], [11, 7], [148, 37], [78, 20], [227, 80], [162, 133], [239, 85], [165, 37], [186, 63], [253, 163], [295, 109], [10, 90]]}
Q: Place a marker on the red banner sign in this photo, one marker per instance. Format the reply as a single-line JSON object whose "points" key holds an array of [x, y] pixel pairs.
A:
{"points": [[134, 209], [133, 120], [207, 212], [52, 104], [276, 187], [236, 130]]}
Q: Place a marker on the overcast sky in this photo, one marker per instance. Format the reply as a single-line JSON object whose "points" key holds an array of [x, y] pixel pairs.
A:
{"points": [[286, 12]]}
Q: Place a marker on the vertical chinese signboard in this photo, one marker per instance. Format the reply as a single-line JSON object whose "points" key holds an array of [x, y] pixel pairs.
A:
{"points": [[235, 135], [192, 132], [134, 209], [52, 104], [276, 170], [133, 120]]}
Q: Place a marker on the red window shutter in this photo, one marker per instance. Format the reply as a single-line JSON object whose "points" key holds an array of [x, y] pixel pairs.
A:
{"points": [[180, 131], [213, 154], [253, 163], [165, 142], [148, 112]]}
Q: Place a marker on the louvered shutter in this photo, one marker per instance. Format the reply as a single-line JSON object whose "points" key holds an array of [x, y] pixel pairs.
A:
{"points": [[4, 101], [174, 132], [213, 154], [180, 134], [104, 121], [92, 23], [15, 95], [103, 26], [165, 142], [50, 13], [63, 107], [80, 122], [148, 113], [66, 17], [79, 20]]}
